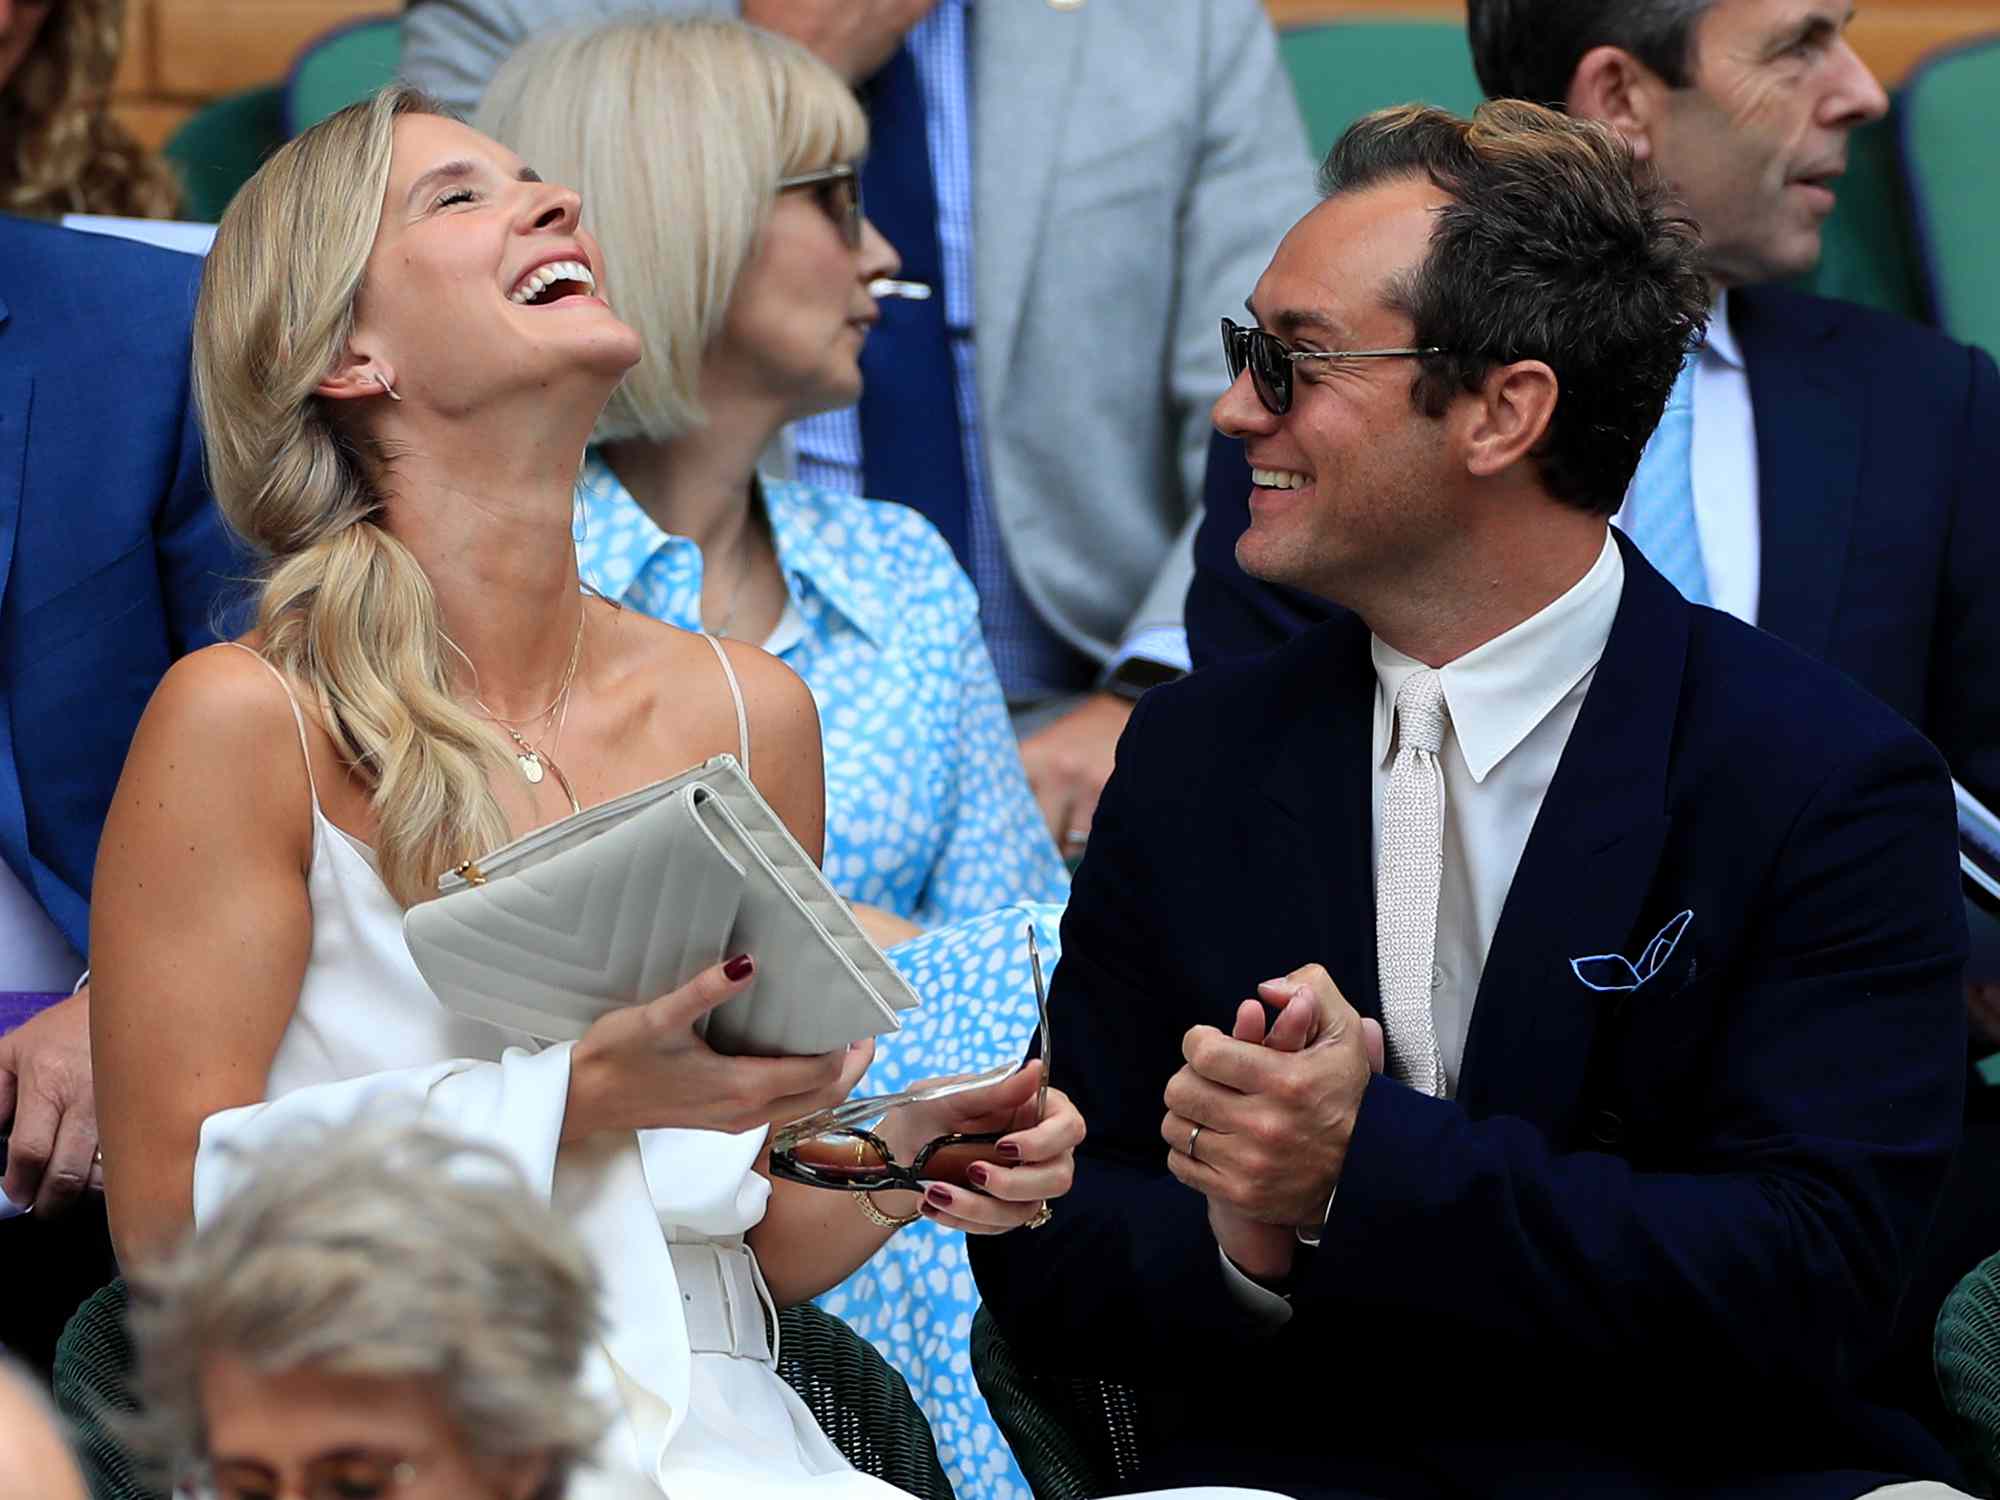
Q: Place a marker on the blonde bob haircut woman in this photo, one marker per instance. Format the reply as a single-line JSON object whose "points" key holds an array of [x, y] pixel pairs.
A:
{"points": [[345, 610], [676, 132]]}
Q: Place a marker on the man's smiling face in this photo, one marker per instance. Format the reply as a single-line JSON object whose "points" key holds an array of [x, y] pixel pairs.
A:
{"points": [[1353, 480]]}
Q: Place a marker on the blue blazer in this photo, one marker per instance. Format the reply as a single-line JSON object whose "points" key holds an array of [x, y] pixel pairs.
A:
{"points": [[1658, 1235], [112, 556], [1878, 467]]}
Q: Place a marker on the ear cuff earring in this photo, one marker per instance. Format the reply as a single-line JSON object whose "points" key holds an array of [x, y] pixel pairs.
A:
{"points": [[388, 389]]}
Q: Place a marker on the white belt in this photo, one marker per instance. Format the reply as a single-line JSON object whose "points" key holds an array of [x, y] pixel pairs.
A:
{"points": [[728, 1308]]}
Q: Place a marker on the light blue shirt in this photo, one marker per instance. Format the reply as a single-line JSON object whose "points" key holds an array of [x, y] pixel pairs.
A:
{"points": [[928, 812], [1033, 661]]}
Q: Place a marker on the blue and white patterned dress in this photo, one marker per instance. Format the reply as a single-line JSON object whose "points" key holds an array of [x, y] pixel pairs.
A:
{"points": [[928, 812], [928, 815]]}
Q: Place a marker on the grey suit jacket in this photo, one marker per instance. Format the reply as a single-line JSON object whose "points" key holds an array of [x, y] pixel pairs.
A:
{"points": [[1135, 163]]}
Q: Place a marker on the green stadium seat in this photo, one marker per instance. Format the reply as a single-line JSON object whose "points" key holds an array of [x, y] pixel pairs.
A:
{"points": [[1343, 69], [1950, 119], [1867, 251], [219, 148], [340, 68]]}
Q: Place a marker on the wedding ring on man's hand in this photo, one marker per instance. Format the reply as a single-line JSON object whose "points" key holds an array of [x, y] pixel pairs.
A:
{"points": [[1041, 1216], [1193, 1136]]}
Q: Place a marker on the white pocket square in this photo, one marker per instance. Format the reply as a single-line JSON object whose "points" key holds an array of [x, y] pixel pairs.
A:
{"points": [[1614, 973]]}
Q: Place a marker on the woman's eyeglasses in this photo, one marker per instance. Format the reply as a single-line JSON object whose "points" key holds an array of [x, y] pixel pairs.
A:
{"points": [[828, 1150], [838, 189], [1270, 359], [346, 1474]]}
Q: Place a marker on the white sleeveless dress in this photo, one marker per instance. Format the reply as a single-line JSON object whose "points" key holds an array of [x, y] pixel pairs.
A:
{"points": [[368, 1035]]}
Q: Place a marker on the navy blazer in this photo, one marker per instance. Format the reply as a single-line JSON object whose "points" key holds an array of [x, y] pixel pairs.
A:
{"points": [[1656, 1237], [1878, 470], [112, 556]]}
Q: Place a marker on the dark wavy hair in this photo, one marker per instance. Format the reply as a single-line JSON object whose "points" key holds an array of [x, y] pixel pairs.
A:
{"points": [[1557, 246], [61, 152], [1529, 49]]}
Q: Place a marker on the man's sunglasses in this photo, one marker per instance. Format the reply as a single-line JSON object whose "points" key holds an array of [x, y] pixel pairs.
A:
{"points": [[829, 1150], [349, 1474], [1270, 359], [838, 189]]}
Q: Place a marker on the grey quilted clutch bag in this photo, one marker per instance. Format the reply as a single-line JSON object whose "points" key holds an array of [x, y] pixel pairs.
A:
{"points": [[625, 901]]}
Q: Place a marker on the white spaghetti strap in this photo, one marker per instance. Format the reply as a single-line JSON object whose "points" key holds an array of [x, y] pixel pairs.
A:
{"points": [[735, 693], [298, 718]]}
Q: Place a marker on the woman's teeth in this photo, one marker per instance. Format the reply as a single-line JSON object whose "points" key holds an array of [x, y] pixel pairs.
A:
{"points": [[1278, 479], [542, 278]]}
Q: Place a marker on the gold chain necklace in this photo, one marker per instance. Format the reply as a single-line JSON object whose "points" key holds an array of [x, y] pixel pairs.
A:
{"points": [[531, 758]]}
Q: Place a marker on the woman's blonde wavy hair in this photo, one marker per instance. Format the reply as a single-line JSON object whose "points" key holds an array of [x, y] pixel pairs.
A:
{"points": [[676, 133], [61, 152], [346, 610]]}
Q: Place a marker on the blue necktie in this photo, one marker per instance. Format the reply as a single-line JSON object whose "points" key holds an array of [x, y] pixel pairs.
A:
{"points": [[911, 447], [1659, 506]]}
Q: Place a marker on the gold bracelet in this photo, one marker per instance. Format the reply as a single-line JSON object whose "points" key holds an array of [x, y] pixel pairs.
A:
{"points": [[879, 1219]]}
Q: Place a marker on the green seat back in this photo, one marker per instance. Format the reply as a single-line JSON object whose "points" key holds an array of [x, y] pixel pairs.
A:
{"points": [[1344, 69], [1965, 1351], [340, 68], [219, 148], [1075, 1438], [1867, 251], [1950, 120]]}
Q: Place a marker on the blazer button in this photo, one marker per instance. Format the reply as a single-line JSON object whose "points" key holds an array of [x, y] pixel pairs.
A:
{"points": [[1606, 1128]]}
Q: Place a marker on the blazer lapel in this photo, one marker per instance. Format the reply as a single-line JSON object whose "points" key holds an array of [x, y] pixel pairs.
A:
{"points": [[1809, 417], [17, 389], [1026, 65], [1319, 779], [1586, 871]]}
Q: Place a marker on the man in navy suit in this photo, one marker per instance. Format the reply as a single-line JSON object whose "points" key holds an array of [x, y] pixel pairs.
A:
{"points": [[1842, 480], [1841, 488], [1659, 916], [112, 562]]}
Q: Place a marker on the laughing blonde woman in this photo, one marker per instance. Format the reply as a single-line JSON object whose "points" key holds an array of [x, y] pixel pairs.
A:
{"points": [[402, 346]]}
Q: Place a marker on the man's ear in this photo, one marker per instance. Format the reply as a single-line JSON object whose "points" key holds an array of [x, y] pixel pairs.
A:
{"points": [[1508, 417], [356, 375], [1613, 86]]}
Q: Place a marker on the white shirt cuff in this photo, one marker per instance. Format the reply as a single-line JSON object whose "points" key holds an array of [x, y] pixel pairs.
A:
{"points": [[1263, 1304], [1165, 644]]}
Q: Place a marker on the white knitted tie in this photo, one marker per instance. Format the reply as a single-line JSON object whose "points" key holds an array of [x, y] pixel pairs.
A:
{"points": [[1406, 884]]}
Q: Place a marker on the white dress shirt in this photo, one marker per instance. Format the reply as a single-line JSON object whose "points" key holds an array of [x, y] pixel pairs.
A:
{"points": [[1511, 705], [1724, 461]]}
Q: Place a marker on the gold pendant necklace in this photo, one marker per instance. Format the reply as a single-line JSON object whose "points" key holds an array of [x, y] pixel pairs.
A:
{"points": [[534, 763]]}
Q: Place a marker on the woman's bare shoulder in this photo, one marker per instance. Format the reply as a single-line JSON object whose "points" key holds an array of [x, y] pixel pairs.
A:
{"points": [[225, 709]]}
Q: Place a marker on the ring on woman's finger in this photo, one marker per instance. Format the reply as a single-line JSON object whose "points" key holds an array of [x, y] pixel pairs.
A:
{"points": [[1076, 838], [1040, 1217]]}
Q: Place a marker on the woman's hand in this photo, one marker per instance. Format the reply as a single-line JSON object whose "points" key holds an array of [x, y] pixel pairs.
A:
{"points": [[1033, 1162], [643, 1068]]}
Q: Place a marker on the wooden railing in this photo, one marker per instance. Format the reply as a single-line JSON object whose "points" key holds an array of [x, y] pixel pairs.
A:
{"points": [[181, 53]]}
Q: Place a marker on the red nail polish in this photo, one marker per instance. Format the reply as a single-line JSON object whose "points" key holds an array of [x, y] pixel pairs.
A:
{"points": [[1009, 1150], [978, 1173], [739, 968], [938, 1197]]}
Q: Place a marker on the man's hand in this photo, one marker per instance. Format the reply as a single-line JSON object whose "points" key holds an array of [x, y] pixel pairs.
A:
{"points": [[1068, 763], [1982, 1006], [854, 37], [45, 1085], [1263, 1251], [1275, 1122]]}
